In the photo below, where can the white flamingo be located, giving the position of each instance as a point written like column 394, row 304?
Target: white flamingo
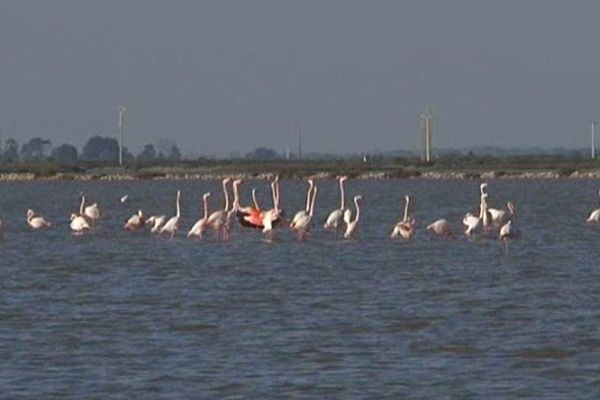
column 203, row 223
column 507, row 232
column 91, row 212
column 352, row 224
column 218, row 219
column 273, row 216
column 406, row 227
column 441, row 228
column 79, row 224
column 172, row 224
column 36, row 221
column 135, row 222
column 301, row 221
column 156, row 222
column 303, row 213
column 595, row 214
column 499, row 217
column 335, row 218
column 471, row 221
column 485, row 217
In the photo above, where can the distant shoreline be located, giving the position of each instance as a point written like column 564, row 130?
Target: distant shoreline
column 374, row 174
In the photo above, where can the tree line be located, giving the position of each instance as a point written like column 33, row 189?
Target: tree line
column 106, row 150
column 96, row 149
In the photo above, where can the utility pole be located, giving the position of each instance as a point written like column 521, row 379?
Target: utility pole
column 299, row 135
column 122, row 111
column 426, row 131
column 594, row 139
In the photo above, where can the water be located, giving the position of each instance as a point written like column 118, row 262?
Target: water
column 120, row 315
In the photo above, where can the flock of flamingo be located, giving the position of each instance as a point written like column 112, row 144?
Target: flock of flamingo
column 488, row 220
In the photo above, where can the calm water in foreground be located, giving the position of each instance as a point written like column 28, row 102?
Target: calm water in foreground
column 118, row 315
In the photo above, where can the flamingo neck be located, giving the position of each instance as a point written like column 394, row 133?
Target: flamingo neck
column 205, row 201
column 312, row 200
column 483, row 211
column 277, row 192
column 81, row 207
column 308, row 196
column 178, row 214
column 357, row 210
column 226, row 196
column 254, row 200
column 274, row 194
column 236, row 196
column 342, row 200
column 406, row 209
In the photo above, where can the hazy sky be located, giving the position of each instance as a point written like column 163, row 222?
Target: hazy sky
column 223, row 75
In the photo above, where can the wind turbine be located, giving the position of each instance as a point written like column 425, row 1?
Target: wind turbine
column 594, row 139
column 122, row 112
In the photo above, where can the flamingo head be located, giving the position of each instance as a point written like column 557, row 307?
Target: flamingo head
column 140, row 213
column 226, row 180
column 343, row 178
column 358, row 197
column 407, row 198
column 311, row 182
column 29, row 213
column 151, row 219
column 482, row 187
column 73, row 216
column 206, row 195
column 511, row 207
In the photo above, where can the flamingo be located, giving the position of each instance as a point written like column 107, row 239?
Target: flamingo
column 302, row 214
column 173, row 223
column 485, row 220
column 507, row 232
column 203, row 223
column 302, row 219
column 247, row 216
column 135, row 222
column 79, row 224
column 124, row 199
column 406, row 227
column 595, row 214
column 156, row 222
column 352, row 224
column 270, row 217
column 91, row 212
column 441, row 228
column 235, row 206
column 36, row 221
column 471, row 221
column 500, row 216
column 335, row 218
column 218, row 219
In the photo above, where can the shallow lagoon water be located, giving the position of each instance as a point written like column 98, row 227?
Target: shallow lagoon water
column 118, row 315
